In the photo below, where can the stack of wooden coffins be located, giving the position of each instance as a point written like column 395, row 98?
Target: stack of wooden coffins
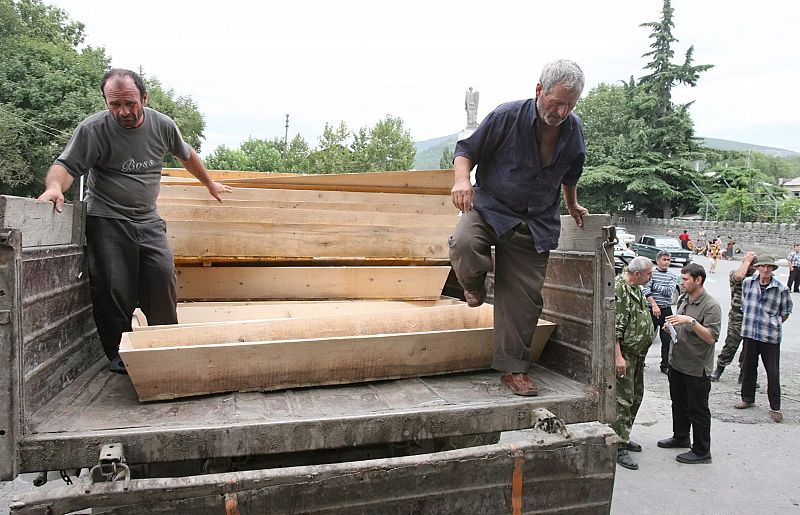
column 307, row 280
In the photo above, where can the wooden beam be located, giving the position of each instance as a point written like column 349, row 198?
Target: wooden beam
column 298, row 283
column 38, row 221
column 201, row 313
column 217, row 175
column 430, row 208
column 227, row 213
column 208, row 240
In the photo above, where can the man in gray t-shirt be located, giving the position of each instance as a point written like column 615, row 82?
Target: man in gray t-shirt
column 122, row 150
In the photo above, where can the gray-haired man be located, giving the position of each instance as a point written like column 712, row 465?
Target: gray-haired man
column 527, row 151
column 658, row 292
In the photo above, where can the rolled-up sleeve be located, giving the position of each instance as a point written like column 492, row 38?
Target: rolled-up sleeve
column 712, row 320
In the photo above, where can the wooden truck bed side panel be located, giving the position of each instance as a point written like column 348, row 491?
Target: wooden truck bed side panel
column 533, row 472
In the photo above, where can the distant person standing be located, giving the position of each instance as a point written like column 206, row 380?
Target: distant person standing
column 794, row 269
column 684, row 237
column 766, row 304
column 729, row 250
column 734, row 337
column 697, row 325
column 713, row 254
column 658, row 292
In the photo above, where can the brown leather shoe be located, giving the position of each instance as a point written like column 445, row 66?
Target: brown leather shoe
column 475, row 298
column 744, row 405
column 520, row 384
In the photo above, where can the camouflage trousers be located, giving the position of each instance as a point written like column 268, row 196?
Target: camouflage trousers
column 732, row 340
column 630, row 392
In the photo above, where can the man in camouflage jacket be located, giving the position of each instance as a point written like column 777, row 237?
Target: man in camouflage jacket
column 734, row 337
column 634, row 334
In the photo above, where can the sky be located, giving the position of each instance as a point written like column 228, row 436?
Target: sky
column 249, row 63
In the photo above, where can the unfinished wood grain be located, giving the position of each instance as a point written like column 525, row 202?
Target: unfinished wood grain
column 266, row 366
column 38, row 221
column 200, row 192
column 583, row 239
column 298, row 283
column 217, row 175
column 439, row 318
column 227, row 213
column 192, row 313
column 378, row 207
column 431, row 182
column 296, row 241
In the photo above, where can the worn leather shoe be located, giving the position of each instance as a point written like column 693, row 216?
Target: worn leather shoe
column 690, row 458
column 674, row 443
column 118, row 366
column 717, row 373
column 744, row 405
column 520, row 384
column 633, row 447
column 776, row 415
column 624, row 459
column 475, row 298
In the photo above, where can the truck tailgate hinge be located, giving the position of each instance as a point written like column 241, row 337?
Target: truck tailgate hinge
column 111, row 466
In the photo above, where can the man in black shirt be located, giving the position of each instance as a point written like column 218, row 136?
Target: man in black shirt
column 527, row 151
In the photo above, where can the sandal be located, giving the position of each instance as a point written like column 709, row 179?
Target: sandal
column 744, row 405
column 625, row 460
column 777, row 416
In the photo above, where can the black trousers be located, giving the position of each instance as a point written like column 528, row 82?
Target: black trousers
column 130, row 265
column 666, row 339
column 689, row 396
column 794, row 280
column 771, row 357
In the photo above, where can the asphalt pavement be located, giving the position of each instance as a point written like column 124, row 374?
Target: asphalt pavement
column 755, row 467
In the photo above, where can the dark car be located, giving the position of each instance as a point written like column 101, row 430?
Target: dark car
column 650, row 246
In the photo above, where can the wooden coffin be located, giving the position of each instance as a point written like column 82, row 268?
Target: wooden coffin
column 177, row 361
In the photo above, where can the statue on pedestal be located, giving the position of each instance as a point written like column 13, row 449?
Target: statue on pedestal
column 471, row 106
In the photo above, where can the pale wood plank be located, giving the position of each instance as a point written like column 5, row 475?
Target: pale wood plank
column 197, row 192
column 432, row 182
column 439, row 318
column 217, row 175
column 167, row 373
column 38, row 221
column 583, row 239
column 227, row 213
column 195, row 313
column 295, row 241
column 440, row 208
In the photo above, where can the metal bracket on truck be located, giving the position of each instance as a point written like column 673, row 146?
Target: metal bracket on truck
column 111, row 466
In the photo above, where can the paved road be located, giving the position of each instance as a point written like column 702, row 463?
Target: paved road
column 755, row 467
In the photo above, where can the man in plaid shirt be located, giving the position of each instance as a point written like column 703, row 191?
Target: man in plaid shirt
column 766, row 304
column 794, row 269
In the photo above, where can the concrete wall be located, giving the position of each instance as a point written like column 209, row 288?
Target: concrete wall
column 775, row 239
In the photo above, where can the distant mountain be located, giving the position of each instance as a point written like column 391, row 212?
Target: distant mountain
column 724, row 144
column 429, row 152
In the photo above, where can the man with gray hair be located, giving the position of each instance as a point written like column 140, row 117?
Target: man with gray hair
column 527, row 151
column 633, row 330
column 658, row 292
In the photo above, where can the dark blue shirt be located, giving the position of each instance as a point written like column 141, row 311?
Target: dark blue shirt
column 512, row 185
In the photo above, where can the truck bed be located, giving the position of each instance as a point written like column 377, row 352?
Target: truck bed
column 100, row 407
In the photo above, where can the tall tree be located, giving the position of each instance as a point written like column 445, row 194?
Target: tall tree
column 446, row 161
column 180, row 108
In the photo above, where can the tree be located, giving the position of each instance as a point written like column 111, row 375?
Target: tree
column 333, row 155
column 386, row 146
column 447, row 158
column 47, row 86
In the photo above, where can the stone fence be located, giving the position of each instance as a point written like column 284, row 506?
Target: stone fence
column 761, row 237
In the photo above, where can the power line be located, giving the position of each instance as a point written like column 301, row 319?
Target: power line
column 50, row 131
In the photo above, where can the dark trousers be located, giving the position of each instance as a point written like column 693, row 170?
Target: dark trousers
column 666, row 339
column 518, row 280
column 689, row 396
column 130, row 265
column 771, row 357
column 794, row 280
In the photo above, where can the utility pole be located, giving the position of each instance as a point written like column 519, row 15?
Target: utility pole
column 286, row 136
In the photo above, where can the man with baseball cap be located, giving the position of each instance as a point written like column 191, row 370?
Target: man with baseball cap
column 766, row 304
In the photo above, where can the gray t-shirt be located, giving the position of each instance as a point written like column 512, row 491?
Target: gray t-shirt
column 124, row 165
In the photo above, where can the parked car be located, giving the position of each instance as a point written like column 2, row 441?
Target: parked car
column 650, row 246
column 624, row 237
column 622, row 256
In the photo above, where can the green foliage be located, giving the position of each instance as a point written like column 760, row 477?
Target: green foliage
column 789, row 211
column 447, row 158
column 47, row 86
column 640, row 145
column 386, row 146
